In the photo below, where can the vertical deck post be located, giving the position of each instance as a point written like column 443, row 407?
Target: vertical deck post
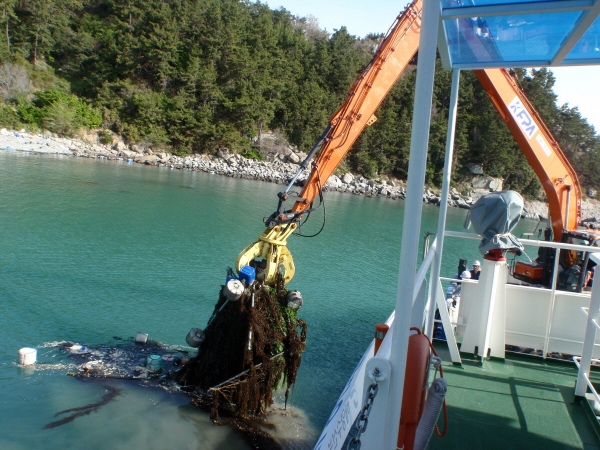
column 552, row 302
column 412, row 215
column 437, row 263
column 590, row 337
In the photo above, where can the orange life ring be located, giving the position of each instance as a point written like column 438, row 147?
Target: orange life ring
column 413, row 399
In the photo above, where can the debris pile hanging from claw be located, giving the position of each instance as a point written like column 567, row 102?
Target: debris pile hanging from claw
column 252, row 345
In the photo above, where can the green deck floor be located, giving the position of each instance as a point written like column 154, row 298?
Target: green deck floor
column 518, row 403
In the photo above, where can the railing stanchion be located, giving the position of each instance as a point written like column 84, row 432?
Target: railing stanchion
column 590, row 338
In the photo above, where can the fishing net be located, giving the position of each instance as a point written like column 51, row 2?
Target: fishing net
column 251, row 347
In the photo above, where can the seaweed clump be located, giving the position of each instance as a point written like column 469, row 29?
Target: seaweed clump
column 251, row 346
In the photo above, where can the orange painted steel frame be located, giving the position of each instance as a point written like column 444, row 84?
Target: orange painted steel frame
column 381, row 330
column 543, row 153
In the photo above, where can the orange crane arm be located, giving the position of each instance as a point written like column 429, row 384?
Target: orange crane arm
column 270, row 254
column 366, row 94
column 553, row 169
column 546, row 158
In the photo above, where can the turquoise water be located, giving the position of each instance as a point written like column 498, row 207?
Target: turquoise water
column 95, row 249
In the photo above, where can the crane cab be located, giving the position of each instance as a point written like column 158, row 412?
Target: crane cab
column 575, row 266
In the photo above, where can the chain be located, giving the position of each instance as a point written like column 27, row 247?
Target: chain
column 363, row 417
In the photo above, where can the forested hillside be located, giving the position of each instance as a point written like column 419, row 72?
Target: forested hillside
column 194, row 76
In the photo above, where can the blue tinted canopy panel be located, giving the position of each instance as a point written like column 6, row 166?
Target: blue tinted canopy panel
column 502, row 33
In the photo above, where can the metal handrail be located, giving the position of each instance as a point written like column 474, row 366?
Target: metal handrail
column 423, row 268
column 577, row 361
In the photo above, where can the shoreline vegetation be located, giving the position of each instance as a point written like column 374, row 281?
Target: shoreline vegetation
column 279, row 168
column 191, row 77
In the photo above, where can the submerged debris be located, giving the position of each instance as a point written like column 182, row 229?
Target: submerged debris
column 110, row 395
column 251, row 346
column 128, row 360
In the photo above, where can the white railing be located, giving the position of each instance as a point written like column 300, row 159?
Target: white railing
column 553, row 320
column 585, row 362
column 350, row 401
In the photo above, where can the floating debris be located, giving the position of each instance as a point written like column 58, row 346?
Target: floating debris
column 126, row 359
column 252, row 345
column 121, row 359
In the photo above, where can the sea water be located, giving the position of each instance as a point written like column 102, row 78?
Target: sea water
column 91, row 250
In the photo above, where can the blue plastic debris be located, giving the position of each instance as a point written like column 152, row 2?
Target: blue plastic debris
column 247, row 275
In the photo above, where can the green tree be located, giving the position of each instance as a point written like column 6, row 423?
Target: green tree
column 44, row 22
column 8, row 19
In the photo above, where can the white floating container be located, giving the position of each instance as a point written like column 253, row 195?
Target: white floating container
column 233, row 290
column 27, row 356
column 195, row 337
column 141, row 338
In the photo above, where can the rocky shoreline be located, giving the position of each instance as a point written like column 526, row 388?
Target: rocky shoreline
column 280, row 168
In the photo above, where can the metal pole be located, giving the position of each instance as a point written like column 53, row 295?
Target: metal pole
column 566, row 224
column 552, row 301
column 412, row 215
column 437, row 263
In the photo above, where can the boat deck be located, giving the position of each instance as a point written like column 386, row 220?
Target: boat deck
column 519, row 403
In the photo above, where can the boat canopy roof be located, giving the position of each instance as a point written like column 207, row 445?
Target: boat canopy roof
column 519, row 33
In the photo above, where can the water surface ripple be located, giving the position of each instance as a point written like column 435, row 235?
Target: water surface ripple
column 90, row 250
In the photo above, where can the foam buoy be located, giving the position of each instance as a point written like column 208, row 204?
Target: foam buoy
column 294, row 299
column 234, row 290
column 27, row 356
column 141, row 338
column 195, row 337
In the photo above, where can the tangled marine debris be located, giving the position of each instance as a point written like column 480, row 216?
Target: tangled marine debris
column 150, row 362
column 253, row 344
column 121, row 360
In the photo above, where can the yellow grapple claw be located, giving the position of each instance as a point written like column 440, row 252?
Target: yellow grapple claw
column 271, row 248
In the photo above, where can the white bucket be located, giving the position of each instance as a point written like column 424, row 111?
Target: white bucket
column 27, row 356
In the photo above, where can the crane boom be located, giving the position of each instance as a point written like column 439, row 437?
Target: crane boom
column 543, row 153
column 546, row 158
column 366, row 94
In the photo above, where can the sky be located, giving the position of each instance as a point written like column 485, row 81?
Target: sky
column 362, row 17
